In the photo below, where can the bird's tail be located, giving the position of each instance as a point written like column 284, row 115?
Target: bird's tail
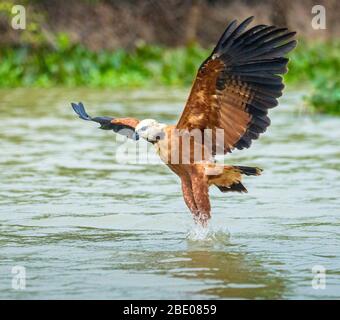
column 249, row 171
column 231, row 176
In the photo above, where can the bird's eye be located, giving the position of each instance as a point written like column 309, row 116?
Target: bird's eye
column 143, row 128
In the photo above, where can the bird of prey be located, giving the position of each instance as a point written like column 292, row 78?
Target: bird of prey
column 226, row 109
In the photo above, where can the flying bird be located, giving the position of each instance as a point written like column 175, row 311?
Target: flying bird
column 227, row 108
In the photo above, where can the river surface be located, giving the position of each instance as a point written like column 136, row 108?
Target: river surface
column 78, row 222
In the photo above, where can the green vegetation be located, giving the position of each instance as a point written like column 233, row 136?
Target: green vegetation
column 69, row 65
column 66, row 64
column 318, row 65
column 326, row 96
column 312, row 60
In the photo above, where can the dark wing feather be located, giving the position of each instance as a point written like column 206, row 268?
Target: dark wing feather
column 79, row 109
column 123, row 126
column 238, row 83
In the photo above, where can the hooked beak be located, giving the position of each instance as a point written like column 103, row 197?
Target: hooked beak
column 159, row 136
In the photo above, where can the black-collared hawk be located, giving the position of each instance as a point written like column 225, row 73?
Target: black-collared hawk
column 226, row 109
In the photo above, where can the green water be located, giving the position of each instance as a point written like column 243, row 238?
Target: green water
column 85, row 225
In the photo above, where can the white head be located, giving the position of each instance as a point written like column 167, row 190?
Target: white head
column 150, row 130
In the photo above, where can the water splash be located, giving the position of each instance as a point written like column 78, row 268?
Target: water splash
column 211, row 234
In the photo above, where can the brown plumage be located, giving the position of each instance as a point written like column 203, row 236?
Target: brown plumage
column 230, row 98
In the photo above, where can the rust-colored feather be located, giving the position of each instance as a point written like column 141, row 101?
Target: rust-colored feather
column 129, row 122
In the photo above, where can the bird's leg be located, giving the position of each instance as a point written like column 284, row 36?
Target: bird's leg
column 200, row 190
column 188, row 196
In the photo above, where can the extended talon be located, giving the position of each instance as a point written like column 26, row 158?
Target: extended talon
column 202, row 219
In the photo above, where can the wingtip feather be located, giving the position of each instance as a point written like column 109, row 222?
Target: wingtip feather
column 79, row 109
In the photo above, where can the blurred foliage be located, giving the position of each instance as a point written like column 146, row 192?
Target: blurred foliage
column 318, row 64
column 312, row 60
column 71, row 65
column 326, row 96
column 66, row 64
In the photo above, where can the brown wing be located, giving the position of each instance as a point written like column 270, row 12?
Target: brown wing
column 238, row 83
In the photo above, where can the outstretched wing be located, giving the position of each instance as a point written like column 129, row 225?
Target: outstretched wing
column 123, row 126
column 238, row 83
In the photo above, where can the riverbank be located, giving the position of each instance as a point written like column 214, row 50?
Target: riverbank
column 312, row 64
